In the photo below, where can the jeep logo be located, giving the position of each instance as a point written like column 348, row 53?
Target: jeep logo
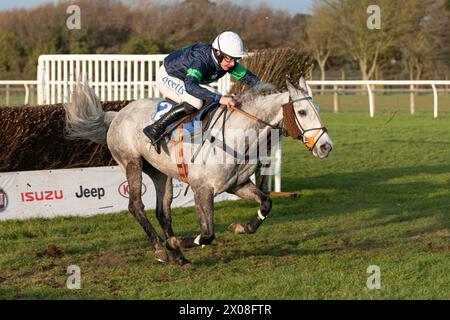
column 88, row 193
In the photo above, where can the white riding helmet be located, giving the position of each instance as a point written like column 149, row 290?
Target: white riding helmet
column 229, row 43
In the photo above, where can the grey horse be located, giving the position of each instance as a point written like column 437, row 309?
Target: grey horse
column 262, row 110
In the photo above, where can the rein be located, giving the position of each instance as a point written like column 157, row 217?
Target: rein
column 252, row 117
column 291, row 123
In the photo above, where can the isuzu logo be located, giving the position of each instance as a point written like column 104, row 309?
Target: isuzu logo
column 42, row 195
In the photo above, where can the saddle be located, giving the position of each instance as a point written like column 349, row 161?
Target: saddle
column 195, row 123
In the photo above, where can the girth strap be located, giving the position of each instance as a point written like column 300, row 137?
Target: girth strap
column 178, row 146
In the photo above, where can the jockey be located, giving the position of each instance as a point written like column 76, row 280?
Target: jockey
column 185, row 71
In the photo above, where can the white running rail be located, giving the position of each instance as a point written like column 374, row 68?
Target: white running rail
column 369, row 84
column 26, row 83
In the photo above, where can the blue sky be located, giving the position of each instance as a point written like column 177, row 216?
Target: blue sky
column 291, row 6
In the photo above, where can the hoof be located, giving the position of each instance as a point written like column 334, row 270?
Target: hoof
column 161, row 255
column 237, row 228
column 172, row 243
column 179, row 259
column 184, row 263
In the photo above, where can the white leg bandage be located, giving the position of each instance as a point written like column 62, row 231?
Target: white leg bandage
column 197, row 240
column 260, row 215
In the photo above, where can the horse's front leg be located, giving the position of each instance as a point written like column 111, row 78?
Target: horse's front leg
column 204, row 205
column 249, row 191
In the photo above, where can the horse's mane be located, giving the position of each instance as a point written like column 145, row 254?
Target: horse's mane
column 260, row 90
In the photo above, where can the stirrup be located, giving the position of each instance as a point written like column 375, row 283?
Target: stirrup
column 157, row 143
column 161, row 137
column 157, row 146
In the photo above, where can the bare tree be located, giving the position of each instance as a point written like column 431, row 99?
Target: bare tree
column 437, row 29
column 320, row 36
column 415, row 45
column 353, row 36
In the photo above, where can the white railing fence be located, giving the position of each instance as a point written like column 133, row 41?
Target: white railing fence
column 28, row 85
column 371, row 84
column 112, row 76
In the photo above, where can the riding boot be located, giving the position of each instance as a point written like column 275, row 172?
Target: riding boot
column 156, row 129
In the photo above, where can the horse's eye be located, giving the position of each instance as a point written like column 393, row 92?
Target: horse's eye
column 302, row 113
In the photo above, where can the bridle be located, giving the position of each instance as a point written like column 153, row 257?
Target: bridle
column 293, row 127
column 291, row 124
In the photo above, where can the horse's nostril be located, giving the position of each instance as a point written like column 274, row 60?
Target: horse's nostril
column 325, row 148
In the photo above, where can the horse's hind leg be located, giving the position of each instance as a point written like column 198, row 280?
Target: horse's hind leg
column 249, row 191
column 136, row 207
column 164, row 193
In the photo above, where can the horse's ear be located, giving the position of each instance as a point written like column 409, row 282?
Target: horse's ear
column 290, row 88
column 302, row 84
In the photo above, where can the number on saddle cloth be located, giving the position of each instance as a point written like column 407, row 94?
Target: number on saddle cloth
column 162, row 107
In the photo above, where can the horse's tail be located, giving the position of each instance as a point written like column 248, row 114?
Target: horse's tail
column 85, row 118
